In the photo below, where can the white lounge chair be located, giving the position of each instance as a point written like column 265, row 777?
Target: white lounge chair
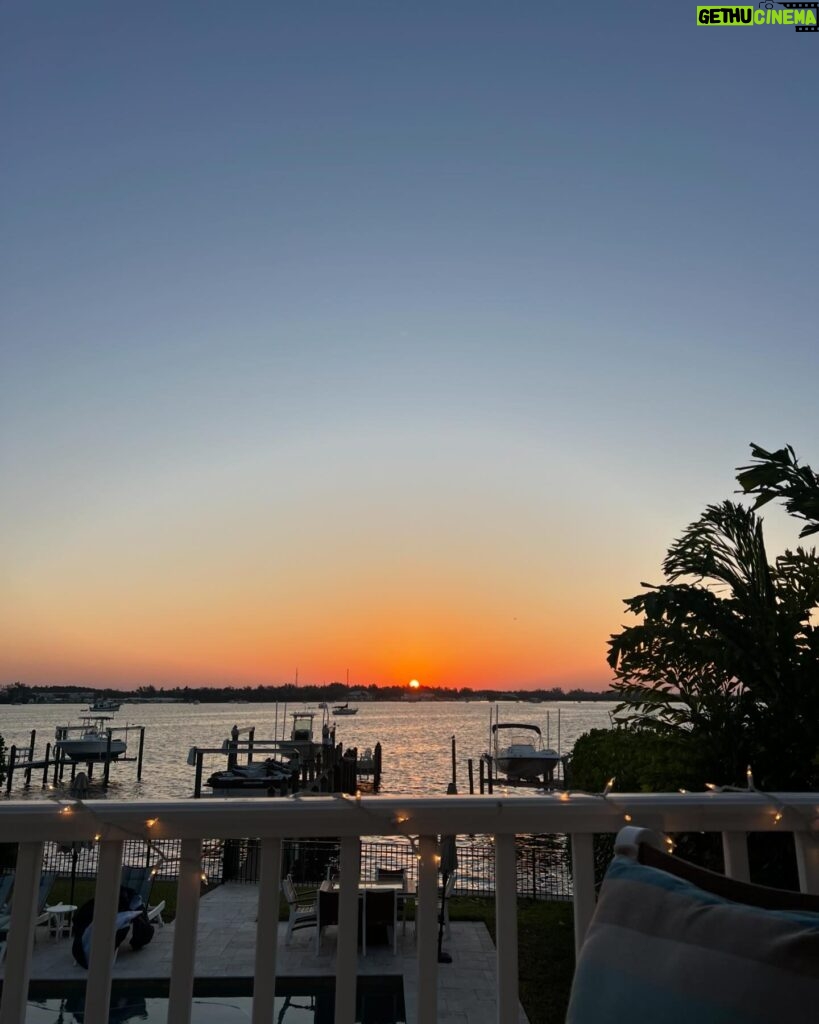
column 302, row 906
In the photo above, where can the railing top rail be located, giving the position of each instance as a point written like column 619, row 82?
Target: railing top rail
column 318, row 816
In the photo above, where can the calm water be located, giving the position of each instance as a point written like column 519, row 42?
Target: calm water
column 415, row 738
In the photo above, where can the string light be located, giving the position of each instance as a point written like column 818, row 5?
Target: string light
column 750, row 787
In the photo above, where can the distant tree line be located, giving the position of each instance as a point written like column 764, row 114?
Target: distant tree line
column 20, row 693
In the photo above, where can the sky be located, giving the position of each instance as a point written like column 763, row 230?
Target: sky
column 384, row 338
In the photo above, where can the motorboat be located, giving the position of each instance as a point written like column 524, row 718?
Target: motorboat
column 518, row 751
column 105, row 704
column 93, row 740
column 344, row 709
column 258, row 775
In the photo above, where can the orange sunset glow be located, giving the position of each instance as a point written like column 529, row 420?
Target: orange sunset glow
column 356, row 356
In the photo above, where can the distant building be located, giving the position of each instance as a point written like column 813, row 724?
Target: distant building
column 360, row 695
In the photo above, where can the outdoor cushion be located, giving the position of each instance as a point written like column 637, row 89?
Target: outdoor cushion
column 661, row 949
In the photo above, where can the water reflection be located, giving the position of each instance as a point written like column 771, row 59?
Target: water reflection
column 415, row 738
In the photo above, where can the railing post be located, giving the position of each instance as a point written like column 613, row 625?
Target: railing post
column 426, row 933
column 347, row 951
column 21, row 933
column 106, row 903
column 583, row 874
column 184, row 939
column 267, row 931
column 807, row 860
column 735, row 854
column 506, row 917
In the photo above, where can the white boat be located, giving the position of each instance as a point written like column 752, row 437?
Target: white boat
column 90, row 740
column 518, row 751
column 105, row 704
column 344, row 709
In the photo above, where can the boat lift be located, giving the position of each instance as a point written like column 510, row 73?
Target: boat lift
column 54, row 759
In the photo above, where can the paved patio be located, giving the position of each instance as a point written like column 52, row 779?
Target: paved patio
column 227, row 942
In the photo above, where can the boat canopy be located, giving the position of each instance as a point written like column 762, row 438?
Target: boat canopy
column 516, row 725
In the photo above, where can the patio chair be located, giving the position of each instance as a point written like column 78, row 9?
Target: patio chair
column 326, row 913
column 47, row 879
column 302, row 907
column 6, row 884
column 398, row 876
column 380, row 915
column 674, row 942
column 42, row 915
column 140, row 880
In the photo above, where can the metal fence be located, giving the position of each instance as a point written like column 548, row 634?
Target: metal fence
column 542, row 862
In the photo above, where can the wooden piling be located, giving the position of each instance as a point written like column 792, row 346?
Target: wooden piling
column 471, row 777
column 139, row 755
column 10, row 769
column 106, row 771
column 46, row 764
column 377, row 768
column 197, row 782
column 251, row 735
column 30, row 758
column 454, row 764
column 489, row 777
column 481, row 767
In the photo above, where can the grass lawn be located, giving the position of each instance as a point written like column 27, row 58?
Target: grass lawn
column 545, row 951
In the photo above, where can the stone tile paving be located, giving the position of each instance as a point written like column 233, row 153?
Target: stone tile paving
column 226, row 947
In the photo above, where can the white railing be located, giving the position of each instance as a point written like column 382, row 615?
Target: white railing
column 579, row 815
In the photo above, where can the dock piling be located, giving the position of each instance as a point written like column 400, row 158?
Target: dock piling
column 139, row 755
column 10, row 769
column 106, row 771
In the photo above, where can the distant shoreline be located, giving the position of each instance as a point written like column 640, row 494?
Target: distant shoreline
column 18, row 693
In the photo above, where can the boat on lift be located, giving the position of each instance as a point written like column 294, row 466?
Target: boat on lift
column 264, row 776
column 93, row 740
column 518, row 752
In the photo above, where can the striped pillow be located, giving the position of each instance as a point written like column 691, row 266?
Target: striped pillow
column 661, row 949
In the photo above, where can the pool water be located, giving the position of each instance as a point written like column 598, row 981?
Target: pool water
column 380, row 1000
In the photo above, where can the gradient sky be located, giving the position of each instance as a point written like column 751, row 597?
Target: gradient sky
column 392, row 337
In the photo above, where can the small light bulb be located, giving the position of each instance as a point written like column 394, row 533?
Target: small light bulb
column 777, row 817
column 626, row 817
column 711, row 786
column 151, row 822
column 97, row 837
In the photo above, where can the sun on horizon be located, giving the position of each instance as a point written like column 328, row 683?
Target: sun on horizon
column 414, row 684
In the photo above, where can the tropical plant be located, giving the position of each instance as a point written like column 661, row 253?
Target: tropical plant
column 779, row 475
column 726, row 650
